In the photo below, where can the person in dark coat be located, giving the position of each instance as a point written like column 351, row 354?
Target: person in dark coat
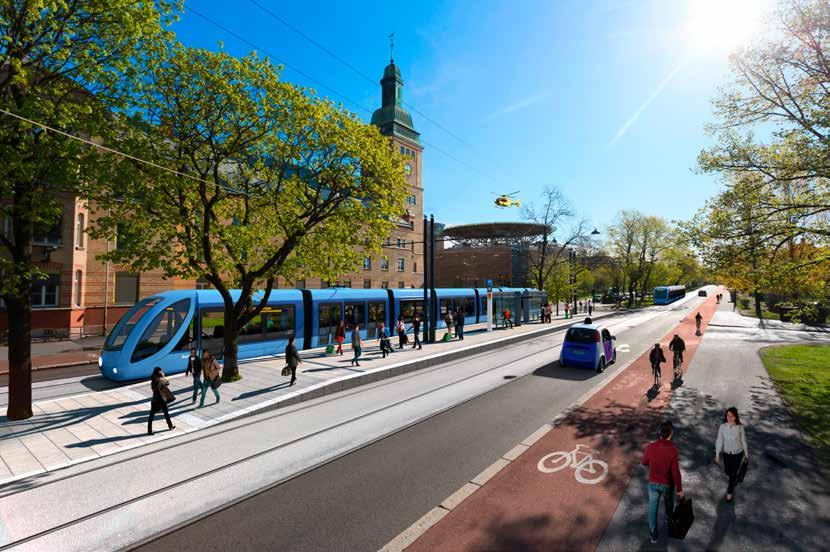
column 194, row 368
column 459, row 324
column 416, row 330
column 292, row 359
column 157, row 403
column 656, row 357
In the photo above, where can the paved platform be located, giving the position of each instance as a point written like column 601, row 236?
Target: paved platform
column 66, row 431
column 536, row 497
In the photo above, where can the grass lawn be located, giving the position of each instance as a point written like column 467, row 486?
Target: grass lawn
column 802, row 375
column 768, row 315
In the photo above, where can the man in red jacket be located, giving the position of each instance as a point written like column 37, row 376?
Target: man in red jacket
column 662, row 459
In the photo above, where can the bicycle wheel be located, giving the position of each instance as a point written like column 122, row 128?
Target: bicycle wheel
column 560, row 460
column 591, row 472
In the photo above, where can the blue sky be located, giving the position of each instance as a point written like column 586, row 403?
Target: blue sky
column 606, row 99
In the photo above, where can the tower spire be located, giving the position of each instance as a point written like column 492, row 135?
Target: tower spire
column 391, row 47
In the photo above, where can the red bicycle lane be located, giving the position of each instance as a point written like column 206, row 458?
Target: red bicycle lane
column 530, row 505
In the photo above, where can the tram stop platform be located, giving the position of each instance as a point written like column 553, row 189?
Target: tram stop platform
column 68, row 430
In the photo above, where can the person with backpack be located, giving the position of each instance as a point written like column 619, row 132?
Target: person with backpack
column 161, row 396
column 731, row 445
column 656, row 357
column 194, row 368
column 211, row 378
column 340, row 336
column 663, row 461
column 292, row 359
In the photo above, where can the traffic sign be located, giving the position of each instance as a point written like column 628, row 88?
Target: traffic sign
column 489, row 285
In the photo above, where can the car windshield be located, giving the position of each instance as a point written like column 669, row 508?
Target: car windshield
column 122, row 330
column 580, row 335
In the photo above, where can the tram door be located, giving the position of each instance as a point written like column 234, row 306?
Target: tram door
column 329, row 316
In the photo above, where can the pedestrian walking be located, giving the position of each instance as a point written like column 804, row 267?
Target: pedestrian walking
column 656, row 357
column 580, row 308
column 550, row 313
column 731, row 444
column 567, row 310
column 459, row 324
column 194, row 368
column 383, row 338
column 416, row 331
column 357, row 345
column 590, row 308
column 292, row 358
column 340, row 336
column 401, row 331
column 663, row 461
column 161, row 396
column 543, row 313
column 210, row 369
column 698, row 320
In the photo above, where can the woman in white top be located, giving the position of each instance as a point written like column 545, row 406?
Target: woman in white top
column 731, row 444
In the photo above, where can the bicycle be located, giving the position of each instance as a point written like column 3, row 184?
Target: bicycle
column 587, row 470
column 678, row 363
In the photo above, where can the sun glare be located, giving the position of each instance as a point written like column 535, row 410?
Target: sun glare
column 723, row 26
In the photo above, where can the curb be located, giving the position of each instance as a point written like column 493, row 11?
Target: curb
column 5, row 372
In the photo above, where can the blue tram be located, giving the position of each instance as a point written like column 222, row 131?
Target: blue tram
column 663, row 295
column 159, row 330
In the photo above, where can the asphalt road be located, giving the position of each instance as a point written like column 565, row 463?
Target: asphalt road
column 364, row 499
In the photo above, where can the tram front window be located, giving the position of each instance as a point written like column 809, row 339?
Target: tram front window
column 122, row 330
column 161, row 330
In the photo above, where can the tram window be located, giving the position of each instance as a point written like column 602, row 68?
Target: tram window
column 468, row 305
column 329, row 316
column 408, row 309
column 161, row 330
column 188, row 337
column 377, row 314
column 252, row 331
column 355, row 313
column 278, row 321
column 213, row 331
column 122, row 330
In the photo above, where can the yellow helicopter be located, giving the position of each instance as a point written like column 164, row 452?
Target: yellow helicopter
column 506, row 200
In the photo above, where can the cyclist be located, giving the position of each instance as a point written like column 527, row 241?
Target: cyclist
column 656, row 357
column 698, row 320
column 677, row 345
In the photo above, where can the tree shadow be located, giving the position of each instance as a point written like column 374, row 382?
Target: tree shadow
column 256, row 392
column 57, row 420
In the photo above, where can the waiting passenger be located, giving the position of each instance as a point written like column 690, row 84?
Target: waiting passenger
column 161, row 396
column 211, row 379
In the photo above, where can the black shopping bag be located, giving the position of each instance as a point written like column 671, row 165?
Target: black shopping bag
column 742, row 471
column 681, row 519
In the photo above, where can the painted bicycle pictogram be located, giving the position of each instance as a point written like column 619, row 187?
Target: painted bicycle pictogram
column 587, row 470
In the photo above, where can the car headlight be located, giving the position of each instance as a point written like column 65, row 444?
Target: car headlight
column 100, row 362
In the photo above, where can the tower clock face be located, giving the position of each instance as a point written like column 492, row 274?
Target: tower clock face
column 407, row 168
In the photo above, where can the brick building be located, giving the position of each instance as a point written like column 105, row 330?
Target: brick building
column 84, row 296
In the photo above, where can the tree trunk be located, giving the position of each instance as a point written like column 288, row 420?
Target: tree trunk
column 19, row 312
column 230, row 366
column 758, row 312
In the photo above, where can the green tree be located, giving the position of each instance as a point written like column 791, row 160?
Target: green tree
column 64, row 65
column 271, row 182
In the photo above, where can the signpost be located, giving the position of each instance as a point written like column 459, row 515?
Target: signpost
column 489, row 305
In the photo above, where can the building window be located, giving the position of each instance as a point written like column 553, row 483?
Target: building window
column 126, row 287
column 119, row 236
column 367, row 284
column 384, row 285
column 367, row 263
column 401, row 265
column 324, row 284
column 79, row 276
column 52, row 237
column 415, row 266
column 45, row 292
column 79, row 232
column 401, row 285
column 347, row 284
column 299, row 284
column 384, row 263
column 403, row 150
column 7, row 227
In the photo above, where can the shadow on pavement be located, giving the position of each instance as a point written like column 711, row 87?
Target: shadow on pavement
column 554, row 370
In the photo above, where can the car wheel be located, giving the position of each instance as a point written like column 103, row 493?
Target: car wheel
column 561, row 363
column 614, row 358
column 601, row 365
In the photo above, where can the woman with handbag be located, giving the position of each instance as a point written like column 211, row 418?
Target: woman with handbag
column 211, row 372
column 292, row 359
column 731, row 443
column 161, row 396
column 340, row 336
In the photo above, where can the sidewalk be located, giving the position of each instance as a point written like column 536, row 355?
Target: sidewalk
column 74, row 429
column 533, row 498
column 784, row 502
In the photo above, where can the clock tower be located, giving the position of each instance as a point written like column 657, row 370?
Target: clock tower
column 404, row 248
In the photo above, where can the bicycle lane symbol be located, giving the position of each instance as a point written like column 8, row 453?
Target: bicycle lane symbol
column 587, row 470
